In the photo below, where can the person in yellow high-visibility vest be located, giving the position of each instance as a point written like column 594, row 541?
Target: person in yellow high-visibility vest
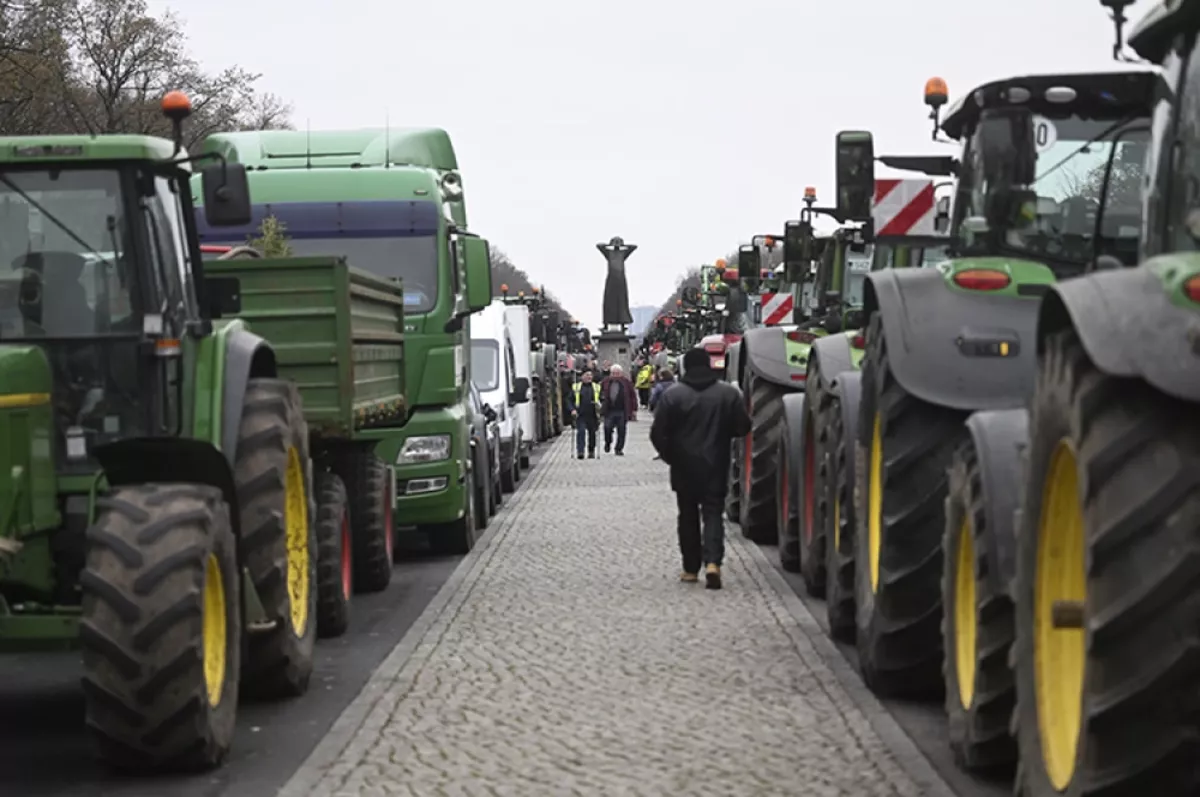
column 645, row 381
column 585, row 410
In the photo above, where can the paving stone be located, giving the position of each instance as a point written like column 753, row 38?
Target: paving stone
column 566, row 658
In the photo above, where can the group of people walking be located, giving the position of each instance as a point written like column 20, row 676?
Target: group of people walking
column 695, row 420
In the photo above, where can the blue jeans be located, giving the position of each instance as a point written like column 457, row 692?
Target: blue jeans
column 614, row 420
column 585, row 430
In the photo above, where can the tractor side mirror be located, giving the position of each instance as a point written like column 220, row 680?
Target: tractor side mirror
column 226, row 195
column 224, row 296
column 796, row 237
column 748, row 259
column 478, row 261
column 855, row 174
column 737, row 302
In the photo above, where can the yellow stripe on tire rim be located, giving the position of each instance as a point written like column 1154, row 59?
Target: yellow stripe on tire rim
column 875, row 508
column 214, row 631
column 964, row 615
column 296, row 526
column 1059, row 654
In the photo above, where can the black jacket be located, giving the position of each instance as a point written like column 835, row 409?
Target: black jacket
column 693, row 426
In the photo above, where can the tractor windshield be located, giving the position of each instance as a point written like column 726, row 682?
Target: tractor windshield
column 63, row 255
column 1073, row 161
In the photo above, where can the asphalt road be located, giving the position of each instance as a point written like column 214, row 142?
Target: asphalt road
column 44, row 751
column 925, row 723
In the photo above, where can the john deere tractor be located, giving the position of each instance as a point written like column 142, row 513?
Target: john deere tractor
column 156, row 507
column 1030, row 209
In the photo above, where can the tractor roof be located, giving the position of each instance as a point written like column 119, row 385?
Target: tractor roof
column 426, row 147
column 1153, row 35
column 33, row 149
column 1108, row 94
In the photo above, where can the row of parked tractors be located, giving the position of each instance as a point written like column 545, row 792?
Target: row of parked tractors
column 995, row 487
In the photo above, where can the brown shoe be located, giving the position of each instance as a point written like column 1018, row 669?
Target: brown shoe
column 690, row 578
column 712, row 577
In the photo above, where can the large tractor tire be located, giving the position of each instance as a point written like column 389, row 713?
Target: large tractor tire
column 977, row 629
column 788, row 496
column 817, row 489
column 1108, row 586
column 273, row 475
column 335, row 560
column 161, row 628
column 372, row 523
column 906, row 445
column 839, row 517
column 759, row 461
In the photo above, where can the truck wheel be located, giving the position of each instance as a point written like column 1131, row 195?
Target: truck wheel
column 335, row 563
column 908, row 444
column 787, row 516
column 483, row 499
column 817, row 486
column 457, row 537
column 161, row 628
column 372, row 531
column 839, row 526
column 977, row 628
column 1111, row 512
column 508, row 477
column 759, row 463
column 278, row 538
column 525, row 461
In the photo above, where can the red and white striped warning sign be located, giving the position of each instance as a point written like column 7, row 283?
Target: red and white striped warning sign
column 776, row 309
column 904, row 207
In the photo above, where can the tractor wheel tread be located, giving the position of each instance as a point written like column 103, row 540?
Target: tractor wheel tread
column 812, row 550
column 366, row 479
column 279, row 661
column 789, row 532
column 333, row 605
column 146, row 701
column 766, row 418
column 1138, row 453
column 839, row 567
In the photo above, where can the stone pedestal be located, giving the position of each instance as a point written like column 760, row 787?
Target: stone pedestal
column 615, row 346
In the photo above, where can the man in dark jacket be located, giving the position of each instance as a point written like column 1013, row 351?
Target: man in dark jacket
column 694, row 423
column 620, row 406
column 585, row 410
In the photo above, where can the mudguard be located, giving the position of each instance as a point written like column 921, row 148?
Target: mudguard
column 847, row 386
column 734, row 365
column 1129, row 327
column 832, row 356
column 247, row 356
column 793, row 414
column 925, row 323
column 998, row 437
column 765, row 353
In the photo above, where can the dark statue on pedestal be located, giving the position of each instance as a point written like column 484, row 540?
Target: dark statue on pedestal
column 616, row 289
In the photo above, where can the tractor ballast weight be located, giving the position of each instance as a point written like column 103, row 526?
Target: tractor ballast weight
column 991, row 344
column 1130, row 324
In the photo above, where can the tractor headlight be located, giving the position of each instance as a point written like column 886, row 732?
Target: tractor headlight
column 424, row 448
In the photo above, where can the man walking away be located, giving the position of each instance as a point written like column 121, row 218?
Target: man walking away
column 645, row 381
column 666, row 378
column 619, row 403
column 694, row 423
column 585, row 410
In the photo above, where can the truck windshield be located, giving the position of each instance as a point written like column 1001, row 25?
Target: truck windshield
column 485, row 364
column 63, row 264
column 412, row 258
column 1073, row 155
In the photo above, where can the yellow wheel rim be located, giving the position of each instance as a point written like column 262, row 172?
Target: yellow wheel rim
column 1059, row 654
column 837, row 521
column 296, row 524
column 875, row 506
column 214, row 631
column 964, row 615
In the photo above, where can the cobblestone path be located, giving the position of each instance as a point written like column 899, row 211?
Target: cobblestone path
column 565, row 658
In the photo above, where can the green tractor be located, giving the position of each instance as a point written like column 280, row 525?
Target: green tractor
column 1030, row 209
column 1071, row 524
column 158, row 509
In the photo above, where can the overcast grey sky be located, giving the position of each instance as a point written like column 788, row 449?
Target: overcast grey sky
column 684, row 127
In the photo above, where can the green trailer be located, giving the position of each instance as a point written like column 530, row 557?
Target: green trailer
column 392, row 202
column 157, row 503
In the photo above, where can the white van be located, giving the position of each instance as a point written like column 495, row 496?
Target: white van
column 518, row 330
column 493, row 370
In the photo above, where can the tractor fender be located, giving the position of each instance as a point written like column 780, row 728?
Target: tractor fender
column 924, row 322
column 793, row 414
column 998, row 437
column 734, row 366
column 830, row 356
column 1129, row 328
column 847, row 386
column 141, row 460
column 765, row 355
column 247, row 356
